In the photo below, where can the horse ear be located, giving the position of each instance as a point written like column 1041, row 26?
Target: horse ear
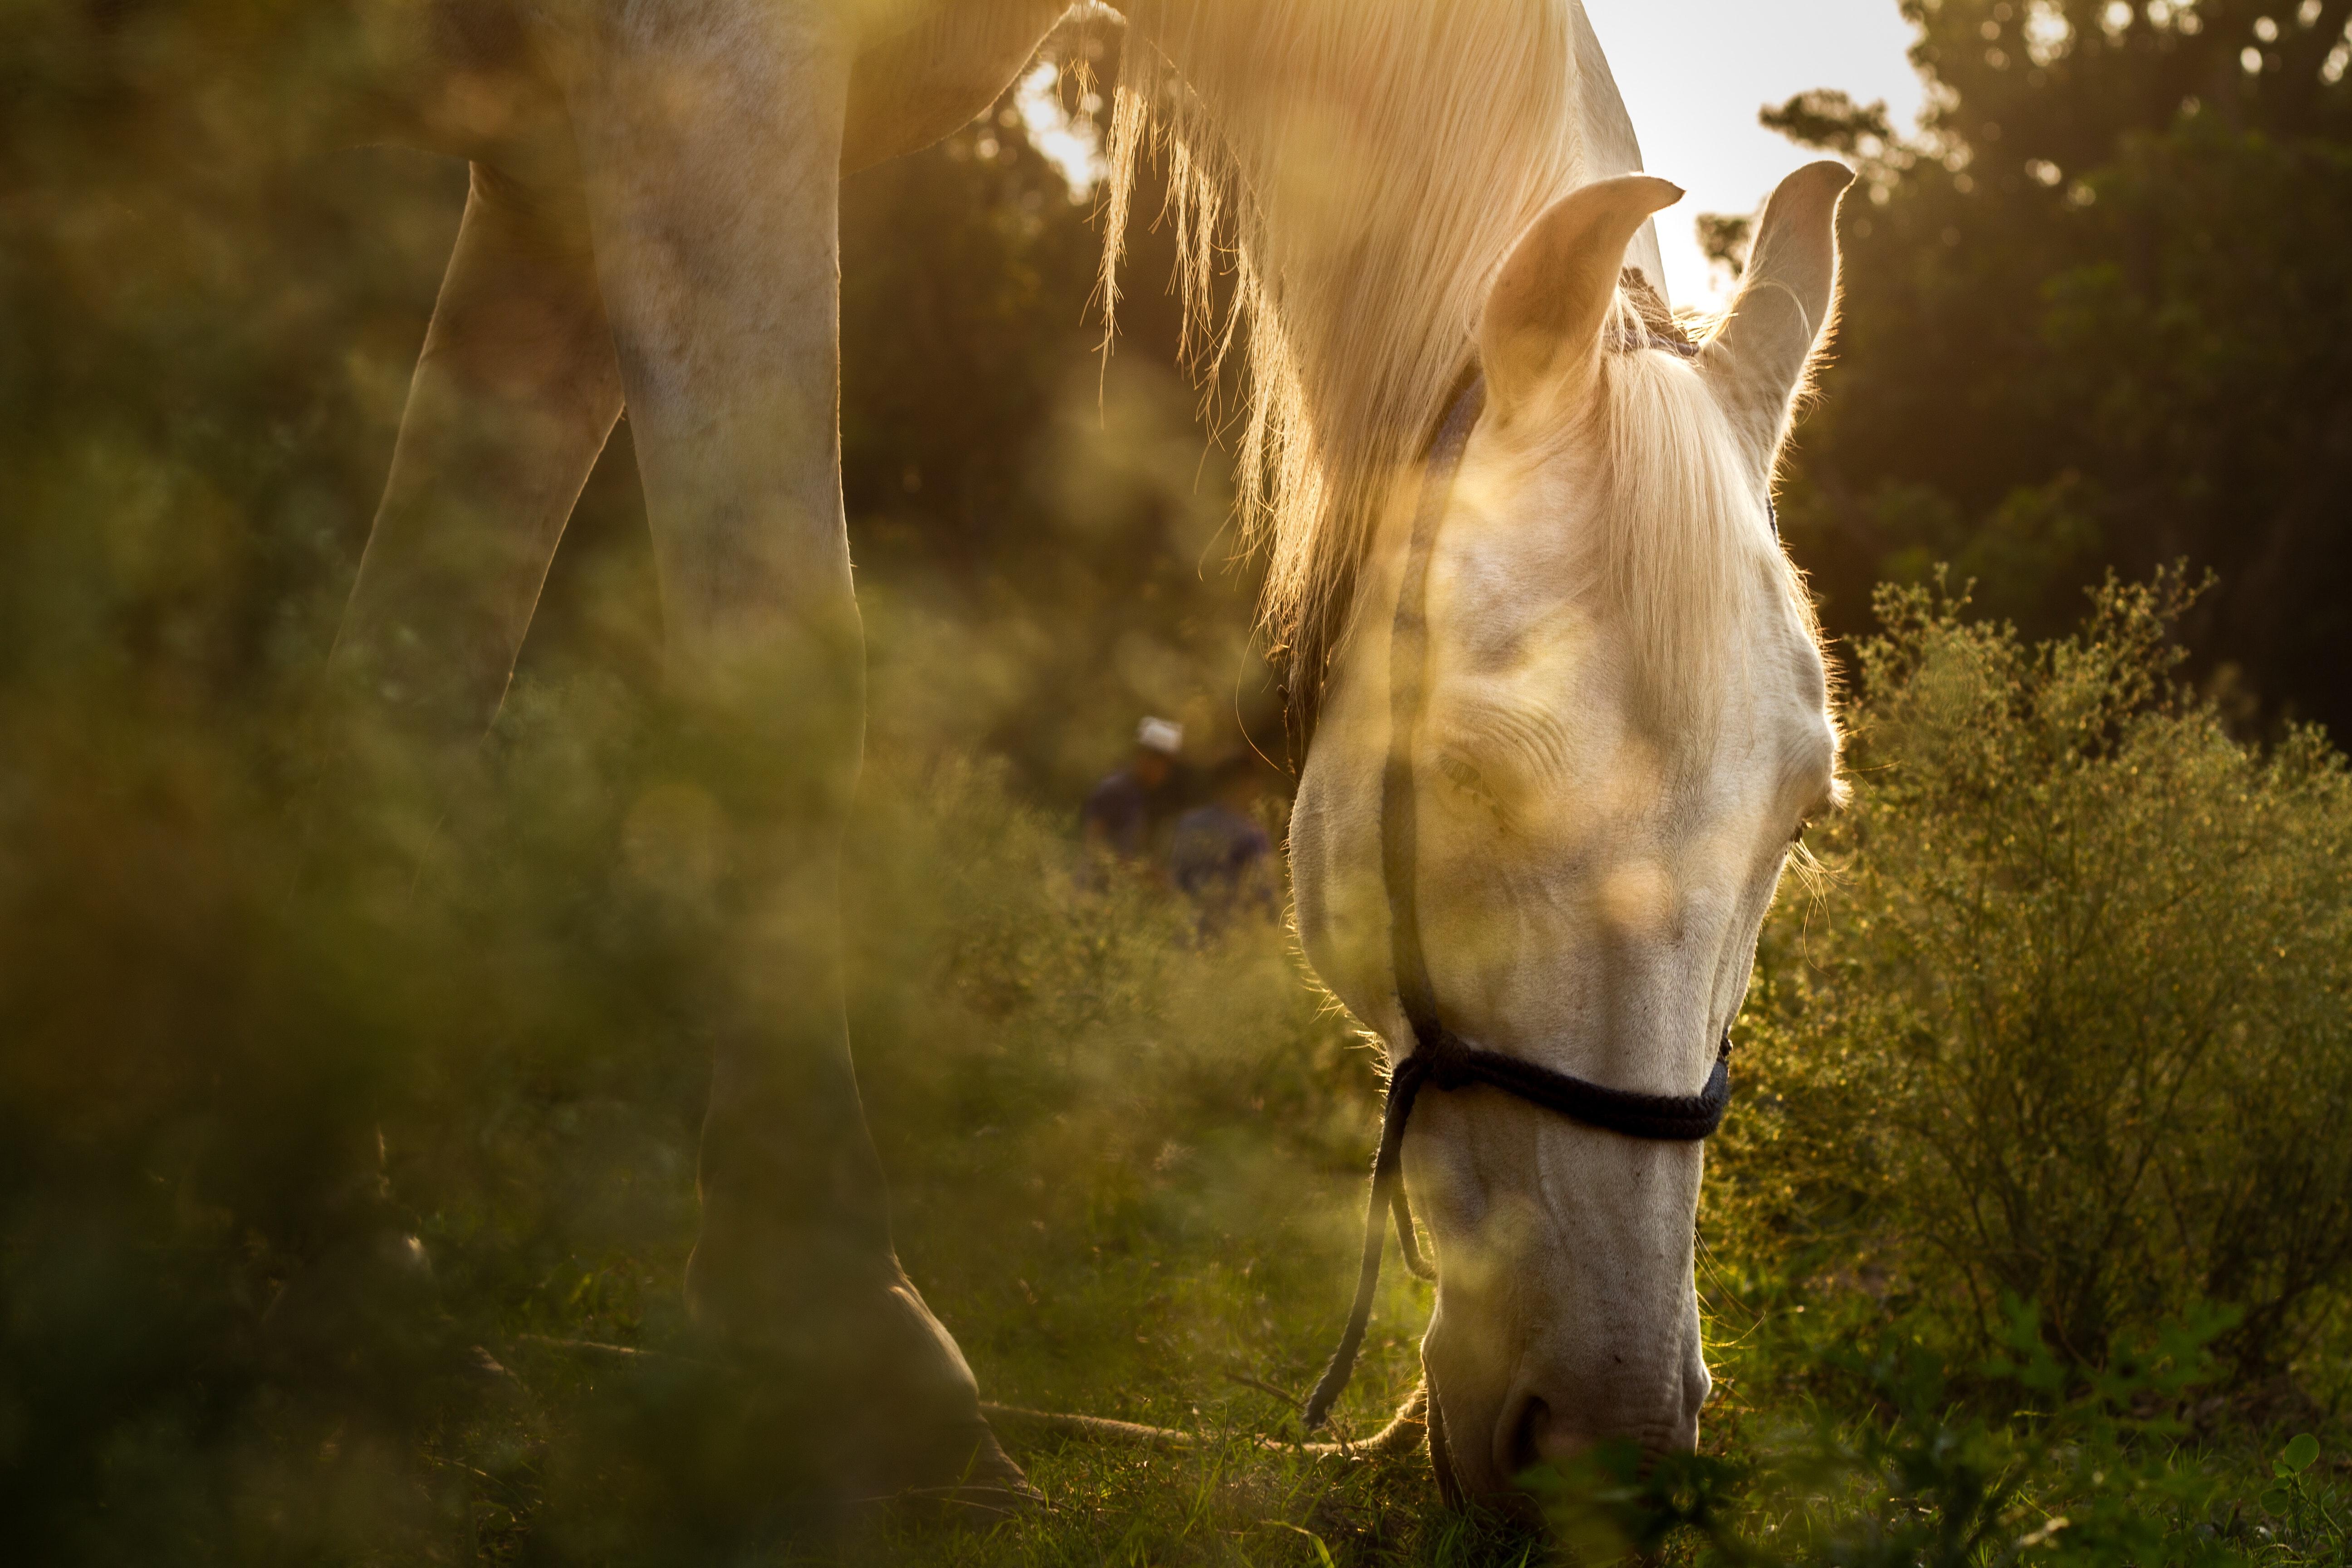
column 1541, row 330
column 1757, row 360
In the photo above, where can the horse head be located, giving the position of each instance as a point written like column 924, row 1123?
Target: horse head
column 1623, row 721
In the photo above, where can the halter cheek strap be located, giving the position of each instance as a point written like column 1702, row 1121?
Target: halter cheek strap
column 1440, row 1057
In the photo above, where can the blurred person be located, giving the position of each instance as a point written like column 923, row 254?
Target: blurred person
column 1117, row 818
column 1222, row 857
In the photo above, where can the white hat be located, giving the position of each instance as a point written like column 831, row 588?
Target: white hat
column 1161, row 735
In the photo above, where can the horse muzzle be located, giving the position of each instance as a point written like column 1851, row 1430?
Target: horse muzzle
column 1494, row 1419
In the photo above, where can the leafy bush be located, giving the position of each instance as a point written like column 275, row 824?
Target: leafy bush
column 2066, row 1019
column 2021, row 1459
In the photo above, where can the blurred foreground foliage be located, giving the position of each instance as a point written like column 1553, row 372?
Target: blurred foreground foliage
column 1098, row 1130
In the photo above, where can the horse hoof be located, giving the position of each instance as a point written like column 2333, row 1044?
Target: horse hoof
column 965, row 1468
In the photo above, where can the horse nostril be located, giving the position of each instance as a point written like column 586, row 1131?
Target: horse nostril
column 1522, row 1446
column 1537, row 1437
column 1540, row 1436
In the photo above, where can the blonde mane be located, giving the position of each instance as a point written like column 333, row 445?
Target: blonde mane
column 1686, row 539
column 1360, row 167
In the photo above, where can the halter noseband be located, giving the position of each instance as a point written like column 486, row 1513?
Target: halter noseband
column 1439, row 1057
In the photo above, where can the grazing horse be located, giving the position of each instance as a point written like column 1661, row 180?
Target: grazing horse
column 1624, row 716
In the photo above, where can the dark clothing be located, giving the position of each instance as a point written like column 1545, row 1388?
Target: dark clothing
column 1118, row 815
column 1221, row 859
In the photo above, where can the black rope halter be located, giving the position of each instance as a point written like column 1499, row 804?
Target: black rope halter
column 1440, row 1057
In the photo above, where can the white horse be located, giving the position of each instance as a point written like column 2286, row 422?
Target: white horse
column 1627, row 717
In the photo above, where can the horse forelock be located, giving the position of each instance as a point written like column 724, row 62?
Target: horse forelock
column 1685, row 543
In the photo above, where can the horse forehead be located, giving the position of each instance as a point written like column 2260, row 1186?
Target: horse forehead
column 1519, row 584
column 1512, row 575
column 1528, row 658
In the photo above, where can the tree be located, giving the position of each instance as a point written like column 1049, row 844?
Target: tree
column 2097, row 316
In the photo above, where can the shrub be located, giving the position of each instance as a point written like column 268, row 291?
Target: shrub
column 2067, row 1020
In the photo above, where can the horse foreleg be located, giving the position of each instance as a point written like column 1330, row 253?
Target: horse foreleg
column 711, row 134
column 512, row 400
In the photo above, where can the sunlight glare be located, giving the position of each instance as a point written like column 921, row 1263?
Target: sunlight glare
column 1068, row 142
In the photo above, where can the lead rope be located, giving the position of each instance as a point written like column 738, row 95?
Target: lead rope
column 1438, row 1054
column 1408, row 651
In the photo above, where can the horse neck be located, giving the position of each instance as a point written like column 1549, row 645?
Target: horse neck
column 1385, row 155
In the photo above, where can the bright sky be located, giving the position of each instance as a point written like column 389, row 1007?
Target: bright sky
column 1694, row 73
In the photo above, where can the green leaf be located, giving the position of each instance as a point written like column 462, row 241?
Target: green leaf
column 2301, row 1453
column 2278, row 1501
column 1322, row 1551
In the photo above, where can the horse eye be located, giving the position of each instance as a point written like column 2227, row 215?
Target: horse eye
column 1463, row 775
column 1471, row 783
